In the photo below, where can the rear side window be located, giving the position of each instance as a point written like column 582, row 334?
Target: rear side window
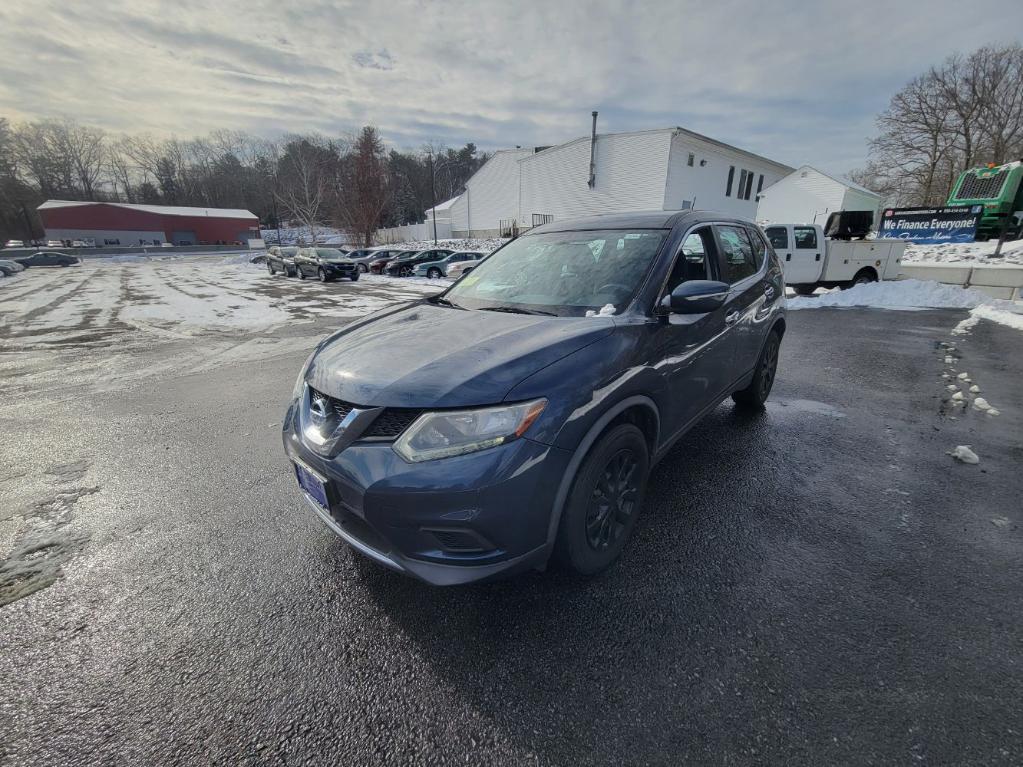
column 737, row 251
column 779, row 237
column 805, row 236
column 759, row 242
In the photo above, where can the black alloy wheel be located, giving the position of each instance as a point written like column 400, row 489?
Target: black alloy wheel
column 613, row 501
column 756, row 394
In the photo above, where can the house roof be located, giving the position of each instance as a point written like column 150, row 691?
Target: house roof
column 444, row 206
column 839, row 179
column 673, row 130
column 162, row 210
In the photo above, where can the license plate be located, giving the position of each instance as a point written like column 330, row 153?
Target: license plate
column 313, row 485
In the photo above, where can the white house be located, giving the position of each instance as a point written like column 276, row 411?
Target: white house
column 491, row 195
column 662, row 169
column 808, row 195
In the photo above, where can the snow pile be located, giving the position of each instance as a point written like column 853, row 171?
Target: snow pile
column 895, row 294
column 302, row 235
column 482, row 245
column 919, row 294
column 964, row 454
column 970, row 252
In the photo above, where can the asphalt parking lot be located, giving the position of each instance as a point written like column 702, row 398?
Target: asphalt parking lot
column 816, row 584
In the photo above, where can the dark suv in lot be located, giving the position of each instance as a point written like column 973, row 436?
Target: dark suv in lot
column 326, row 264
column 586, row 349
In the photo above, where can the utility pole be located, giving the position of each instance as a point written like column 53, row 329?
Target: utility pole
column 433, row 195
column 28, row 226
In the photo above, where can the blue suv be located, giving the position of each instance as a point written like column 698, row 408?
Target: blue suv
column 514, row 418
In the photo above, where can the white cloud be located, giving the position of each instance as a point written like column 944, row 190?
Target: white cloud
column 794, row 81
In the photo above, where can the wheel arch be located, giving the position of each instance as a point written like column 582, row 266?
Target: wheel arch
column 637, row 409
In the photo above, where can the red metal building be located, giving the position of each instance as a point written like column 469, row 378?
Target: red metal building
column 115, row 223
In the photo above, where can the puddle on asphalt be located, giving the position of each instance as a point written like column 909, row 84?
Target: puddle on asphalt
column 803, row 407
column 37, row 555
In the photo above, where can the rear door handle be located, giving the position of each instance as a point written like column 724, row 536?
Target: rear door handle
column 731, row 318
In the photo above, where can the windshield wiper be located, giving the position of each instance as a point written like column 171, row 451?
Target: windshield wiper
column 444, row 302
column 515, row 310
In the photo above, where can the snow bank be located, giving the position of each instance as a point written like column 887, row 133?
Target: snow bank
column 482, row 245
column 968, row 252
column 918, row 294
column 895, row 294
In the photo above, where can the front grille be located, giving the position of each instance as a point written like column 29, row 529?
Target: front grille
column 389, row 424
column 392, row 422
column 976, row 188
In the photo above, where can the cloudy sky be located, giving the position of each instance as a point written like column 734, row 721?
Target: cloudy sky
column 795, row 81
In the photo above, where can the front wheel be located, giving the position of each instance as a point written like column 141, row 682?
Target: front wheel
column 604, row 502
column 300, row 274
column 755, row 395
column 270, row 268
column 434, row 274
column 405, row 272
column 322, row 275
column 355, row 276
column 363, row 268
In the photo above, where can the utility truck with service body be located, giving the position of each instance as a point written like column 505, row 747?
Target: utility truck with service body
column 811, row 260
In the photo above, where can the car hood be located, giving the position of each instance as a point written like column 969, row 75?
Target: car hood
column 424, row 355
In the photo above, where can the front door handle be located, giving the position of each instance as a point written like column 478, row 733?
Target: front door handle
column 731, row 318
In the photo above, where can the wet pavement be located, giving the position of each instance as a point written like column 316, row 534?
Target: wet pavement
column 816, row 584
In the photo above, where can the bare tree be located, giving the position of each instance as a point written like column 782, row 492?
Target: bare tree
column 305, row 189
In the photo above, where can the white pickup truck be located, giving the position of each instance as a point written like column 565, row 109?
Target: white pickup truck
column 810, row 261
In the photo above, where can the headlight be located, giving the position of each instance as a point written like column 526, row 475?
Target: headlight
column 446, row 434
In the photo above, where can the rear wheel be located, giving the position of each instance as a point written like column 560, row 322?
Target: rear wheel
column 862, row 278
column 755, row 395
column 434, row 273
column 804, row 290
column 604, row 502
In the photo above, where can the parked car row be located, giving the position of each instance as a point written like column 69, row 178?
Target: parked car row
column 327, row 264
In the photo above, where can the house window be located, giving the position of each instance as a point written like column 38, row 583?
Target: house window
column 749, row 185
column 760, row 184
column 740, row 192
column 691, row 160
column 731, row 178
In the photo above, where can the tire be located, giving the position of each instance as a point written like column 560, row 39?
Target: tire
column 862, row 277
column 755, row 395
column 355, row 276
column 363, row 268
column 405, row 272
column 434, row 273
column 270, row 268
column 593, row 532
column 804, row 290
column 322, row 275
column 300, row 274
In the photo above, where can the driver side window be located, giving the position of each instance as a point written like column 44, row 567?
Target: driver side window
column 694, row 258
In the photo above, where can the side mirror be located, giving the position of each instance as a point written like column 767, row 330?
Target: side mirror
column 696, row 297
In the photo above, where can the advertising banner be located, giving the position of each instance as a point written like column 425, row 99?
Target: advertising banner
column 930, row 225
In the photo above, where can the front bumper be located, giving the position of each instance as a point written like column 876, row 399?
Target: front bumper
column 418, row 518
column 341, row 270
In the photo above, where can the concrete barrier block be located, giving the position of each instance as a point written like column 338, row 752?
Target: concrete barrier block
column 996, row 292
column 949, row 274
column 997, row 276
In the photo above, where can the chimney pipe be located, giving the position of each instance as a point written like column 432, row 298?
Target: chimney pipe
column 593, row 150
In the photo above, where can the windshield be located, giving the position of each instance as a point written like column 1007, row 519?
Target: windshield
column 329, row 254
column 562, row 273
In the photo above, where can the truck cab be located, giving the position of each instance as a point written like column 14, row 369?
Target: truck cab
column 999, row 189
column 810, row 260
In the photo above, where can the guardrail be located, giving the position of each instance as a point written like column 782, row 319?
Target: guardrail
column 997, row 281
column 125, row 250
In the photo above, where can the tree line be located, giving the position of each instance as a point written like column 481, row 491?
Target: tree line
column 349, row 182
column 963, row 113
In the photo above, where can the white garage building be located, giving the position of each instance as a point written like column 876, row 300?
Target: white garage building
column 808, row 195
column 663, row 169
